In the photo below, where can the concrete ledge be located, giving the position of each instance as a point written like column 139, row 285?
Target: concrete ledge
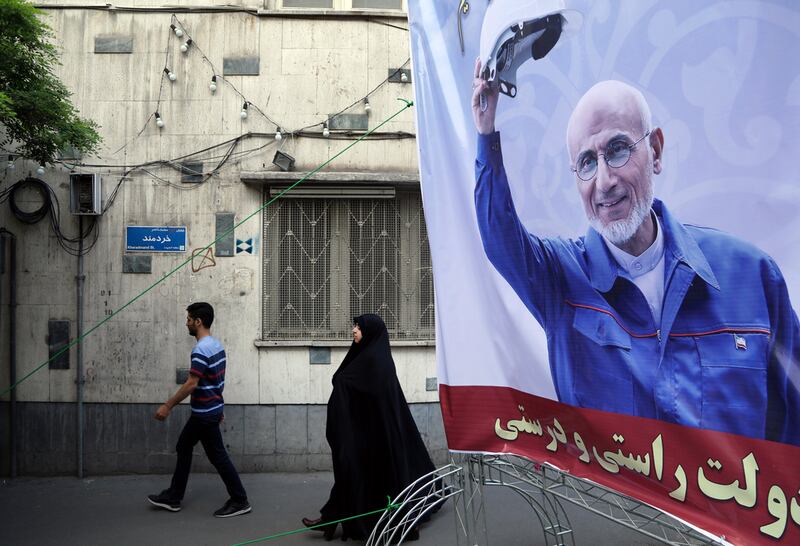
column 330, row 13
column 125, row 439
column 267, row 343
column 266, row 178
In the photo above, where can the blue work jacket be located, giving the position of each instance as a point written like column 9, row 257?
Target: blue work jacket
column 726, row 355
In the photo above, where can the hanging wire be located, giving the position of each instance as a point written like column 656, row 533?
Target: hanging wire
column 349, row 106
column 50, row 206
column 230, row 153
column 158, row 100
column 219, row 76
column 301, row 132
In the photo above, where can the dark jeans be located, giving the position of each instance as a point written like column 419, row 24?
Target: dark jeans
column 205, row 429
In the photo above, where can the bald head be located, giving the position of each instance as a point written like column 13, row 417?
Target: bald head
column 609, row 122
column 608, row 103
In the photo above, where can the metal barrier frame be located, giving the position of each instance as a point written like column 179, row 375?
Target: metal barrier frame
column 544, row 488
column 415, row 504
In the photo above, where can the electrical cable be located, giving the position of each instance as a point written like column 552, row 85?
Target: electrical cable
column 407, row 104
column 219, row 77
column 35, row 216
column 51, row 205
column 230, row 153
column 348, row 107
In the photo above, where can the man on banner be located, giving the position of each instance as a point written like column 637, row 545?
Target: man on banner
column 643, row 315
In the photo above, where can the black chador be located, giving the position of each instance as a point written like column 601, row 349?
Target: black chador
column 376, row 446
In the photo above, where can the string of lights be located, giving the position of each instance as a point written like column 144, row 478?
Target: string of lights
column 188, row 45
column 179, row 29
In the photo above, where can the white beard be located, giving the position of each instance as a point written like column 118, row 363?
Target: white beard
column 620, row 232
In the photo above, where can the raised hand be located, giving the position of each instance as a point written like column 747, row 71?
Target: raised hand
column 484, row 118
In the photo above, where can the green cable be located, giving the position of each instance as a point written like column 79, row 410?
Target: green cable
column 408, row 104
column 388, row 507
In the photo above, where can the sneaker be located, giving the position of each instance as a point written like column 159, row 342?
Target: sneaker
column 165, row 501
column 233, row 508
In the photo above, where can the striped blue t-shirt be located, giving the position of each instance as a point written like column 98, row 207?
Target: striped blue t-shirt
column 208, row 363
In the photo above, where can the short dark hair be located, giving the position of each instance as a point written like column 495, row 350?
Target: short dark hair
column 203, row 311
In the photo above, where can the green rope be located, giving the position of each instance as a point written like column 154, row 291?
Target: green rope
column 388, row 508
column 407, row 104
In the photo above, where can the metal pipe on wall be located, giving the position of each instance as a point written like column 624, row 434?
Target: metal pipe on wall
column 2, row 277
column 79, row 356
column 12, row 346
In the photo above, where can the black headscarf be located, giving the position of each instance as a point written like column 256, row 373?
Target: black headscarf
column 369, row 362
column 375, row 444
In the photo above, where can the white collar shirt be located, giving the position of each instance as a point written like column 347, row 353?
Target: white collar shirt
column 646, row 270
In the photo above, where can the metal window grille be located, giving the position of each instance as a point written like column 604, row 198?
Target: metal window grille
column 328, row 260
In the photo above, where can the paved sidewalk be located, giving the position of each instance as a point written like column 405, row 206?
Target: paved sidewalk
column 114, row 510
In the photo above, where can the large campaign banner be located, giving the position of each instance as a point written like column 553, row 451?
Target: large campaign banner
column 611, row 191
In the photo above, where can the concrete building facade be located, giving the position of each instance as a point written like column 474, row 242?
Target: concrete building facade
column 198, row 130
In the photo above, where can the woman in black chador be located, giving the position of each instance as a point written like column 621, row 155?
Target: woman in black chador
column 376, row 447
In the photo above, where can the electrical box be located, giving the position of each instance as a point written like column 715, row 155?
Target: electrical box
column 84, row 194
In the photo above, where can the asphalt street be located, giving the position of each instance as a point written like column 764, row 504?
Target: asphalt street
column 114, row 510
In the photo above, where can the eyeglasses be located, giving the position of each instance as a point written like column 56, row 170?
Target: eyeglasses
column 618, row 152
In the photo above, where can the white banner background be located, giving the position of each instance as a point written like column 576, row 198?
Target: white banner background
column 722, row 80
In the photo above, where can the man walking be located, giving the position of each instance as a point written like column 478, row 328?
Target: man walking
column 205, row 384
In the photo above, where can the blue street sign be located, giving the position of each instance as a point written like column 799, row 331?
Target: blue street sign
column 155, row 239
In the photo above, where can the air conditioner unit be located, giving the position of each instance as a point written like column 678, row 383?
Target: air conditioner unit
column 84, row 194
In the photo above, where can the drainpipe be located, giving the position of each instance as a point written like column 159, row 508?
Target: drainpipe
column 80, row 279
column 12, row 343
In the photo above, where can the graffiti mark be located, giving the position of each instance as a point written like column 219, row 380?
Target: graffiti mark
column 201, row 259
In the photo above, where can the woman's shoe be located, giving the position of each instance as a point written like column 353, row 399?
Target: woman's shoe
column 308, row 522
column 319, row 524
column 329, row 531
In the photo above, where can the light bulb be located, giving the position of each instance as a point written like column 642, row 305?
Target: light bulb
column 185, row 46
column 213, row 84
column 40, row 169
column 403, row 77
column 243, row 113
column 278, row 135
column 325, row 131
column 170, row 74
column 178, row 32
column 367, row 107
column 11, row 164
column 159, row 121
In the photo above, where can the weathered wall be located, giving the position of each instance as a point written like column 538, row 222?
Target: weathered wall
column 124, row 438
column 311, row 65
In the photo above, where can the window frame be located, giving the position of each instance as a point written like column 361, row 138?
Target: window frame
column 414, row 300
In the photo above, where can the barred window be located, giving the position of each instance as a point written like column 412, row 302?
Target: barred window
column 328, row 260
